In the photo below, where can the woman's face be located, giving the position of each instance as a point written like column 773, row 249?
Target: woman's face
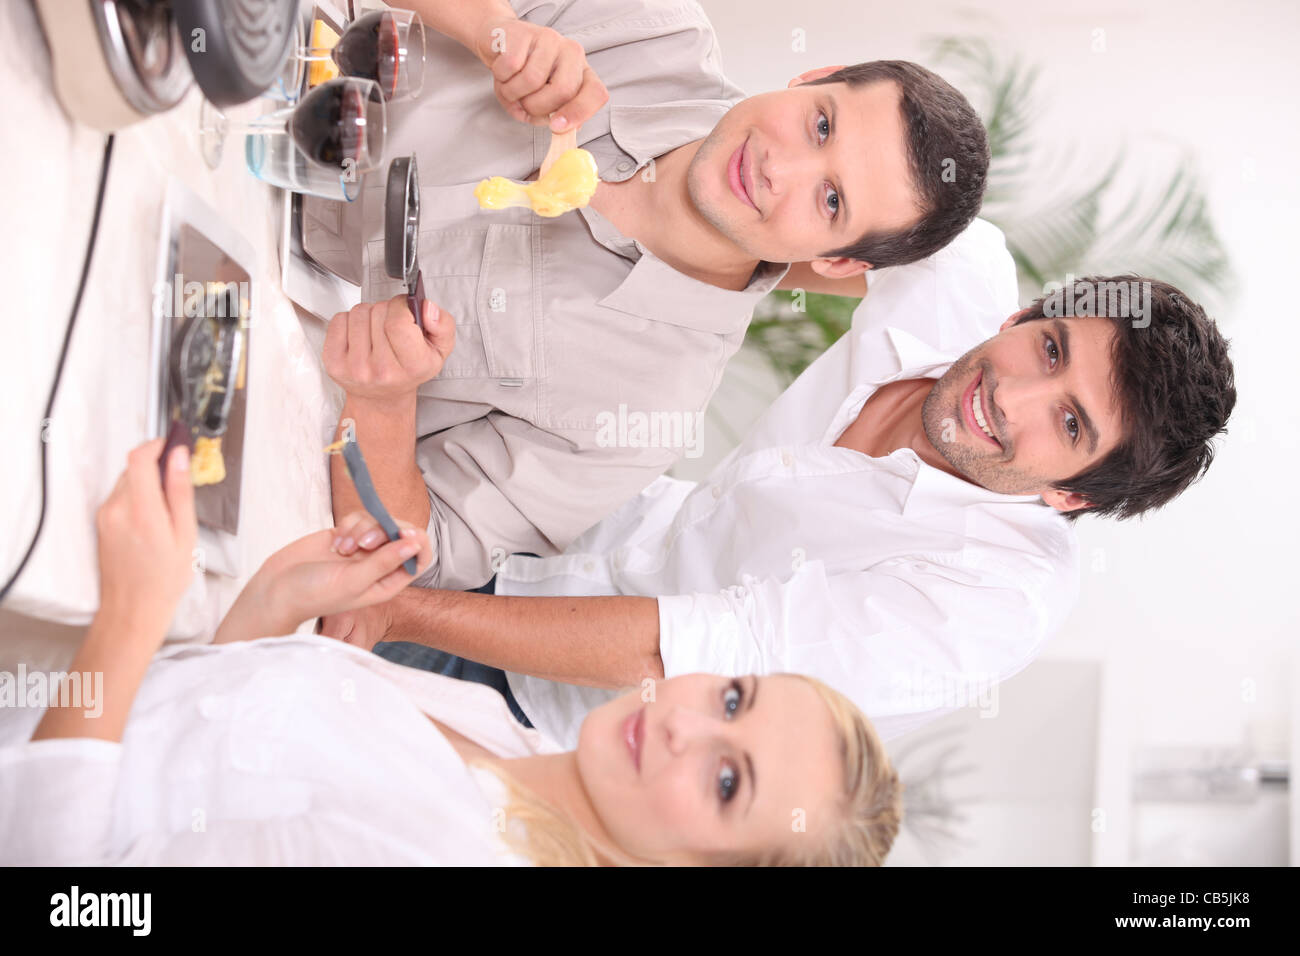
column 698, row 766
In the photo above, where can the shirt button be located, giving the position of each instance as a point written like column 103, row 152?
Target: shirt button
column 717, row 492
column 787, row 459
column 589, row 566
column 624, row 166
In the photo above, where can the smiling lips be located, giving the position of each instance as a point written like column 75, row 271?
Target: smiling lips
column 740, row 176
column 634, row 735
column 973, row 409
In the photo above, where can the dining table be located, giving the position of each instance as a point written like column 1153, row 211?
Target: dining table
column 61, row 466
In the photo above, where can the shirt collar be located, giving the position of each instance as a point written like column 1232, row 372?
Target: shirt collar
column 915, row 356
column 654, row 289
column 644, row 133
column 933, row 490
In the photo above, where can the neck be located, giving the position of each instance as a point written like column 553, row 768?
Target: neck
column 555, row 779
column 892, row 419
column 662, row 217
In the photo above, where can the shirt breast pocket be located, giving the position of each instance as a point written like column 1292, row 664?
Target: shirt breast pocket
column 506, row 302
column 484, row 279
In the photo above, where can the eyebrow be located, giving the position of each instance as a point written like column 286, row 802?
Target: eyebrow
column 749, row 762
column 1063, row 339
column 832, row 109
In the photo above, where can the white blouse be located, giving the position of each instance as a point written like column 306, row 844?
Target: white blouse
column 294, row 750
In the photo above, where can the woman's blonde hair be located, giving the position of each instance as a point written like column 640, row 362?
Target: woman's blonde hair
column 871, row 806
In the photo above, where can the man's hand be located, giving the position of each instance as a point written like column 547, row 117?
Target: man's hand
column 376, row 351
column 540, row 76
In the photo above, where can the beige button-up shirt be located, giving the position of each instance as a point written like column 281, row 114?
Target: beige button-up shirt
column 569, row 334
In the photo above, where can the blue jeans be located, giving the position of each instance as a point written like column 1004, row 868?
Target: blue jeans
column 440, row 662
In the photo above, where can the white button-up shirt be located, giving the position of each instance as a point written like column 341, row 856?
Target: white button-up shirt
column 293, row 750
column 907, row 588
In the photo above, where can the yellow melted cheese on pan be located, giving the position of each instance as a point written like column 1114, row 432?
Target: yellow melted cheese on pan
column 207, row 465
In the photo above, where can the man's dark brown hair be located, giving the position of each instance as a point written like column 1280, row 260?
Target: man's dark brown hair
column 1174, row 380
column 948, row 152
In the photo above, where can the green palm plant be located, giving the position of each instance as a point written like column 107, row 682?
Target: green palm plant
column 1082, row 226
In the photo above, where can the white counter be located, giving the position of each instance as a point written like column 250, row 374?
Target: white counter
column 50, row 169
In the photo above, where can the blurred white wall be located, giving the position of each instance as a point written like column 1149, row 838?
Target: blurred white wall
column 1192, row 612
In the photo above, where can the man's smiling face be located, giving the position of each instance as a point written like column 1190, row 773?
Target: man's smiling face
column 1043, row 390
column 790, row 175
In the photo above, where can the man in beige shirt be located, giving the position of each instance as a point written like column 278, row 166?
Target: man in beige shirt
column 573, row 335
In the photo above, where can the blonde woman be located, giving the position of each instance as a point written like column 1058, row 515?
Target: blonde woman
column 305, row 750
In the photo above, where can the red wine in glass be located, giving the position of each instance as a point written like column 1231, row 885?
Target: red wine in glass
column 330, row 126
column 370, row 48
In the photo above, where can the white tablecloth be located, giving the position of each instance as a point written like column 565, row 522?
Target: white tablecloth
column 50, row 169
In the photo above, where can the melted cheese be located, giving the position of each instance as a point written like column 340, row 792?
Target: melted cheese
column 207, row 465
column 569, row 184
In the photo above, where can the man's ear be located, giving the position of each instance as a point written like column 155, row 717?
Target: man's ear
column 811, row 75
column 1064, row 501
column 1013, row 319
column 839, row 267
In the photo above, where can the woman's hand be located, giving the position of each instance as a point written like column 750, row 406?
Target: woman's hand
column 146, row 539
column 146, row 547
column 540, row 76
column 313, row 577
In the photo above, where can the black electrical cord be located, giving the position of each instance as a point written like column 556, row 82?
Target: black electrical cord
column 63, row 355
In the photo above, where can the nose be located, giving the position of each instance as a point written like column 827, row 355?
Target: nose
column 684, row 727
column 772, row 173
column 790, row 159
column 1015, row 396
column 779, row 172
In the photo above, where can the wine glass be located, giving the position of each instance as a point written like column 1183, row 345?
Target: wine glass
column 386, row 46
column 324, row 144
column 287, row 87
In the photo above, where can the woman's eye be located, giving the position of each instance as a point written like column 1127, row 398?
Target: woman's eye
column 823, row 127
column 1072, row 426
column 728, row 782
column 1052, row 352
column 832, row 201
column 731, row 700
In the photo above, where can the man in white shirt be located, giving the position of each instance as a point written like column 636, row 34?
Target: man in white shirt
column 897, row 523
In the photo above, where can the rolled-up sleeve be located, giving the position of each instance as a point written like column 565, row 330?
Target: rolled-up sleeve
column 905, row 640
column 499, row 485
column 56, row 801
